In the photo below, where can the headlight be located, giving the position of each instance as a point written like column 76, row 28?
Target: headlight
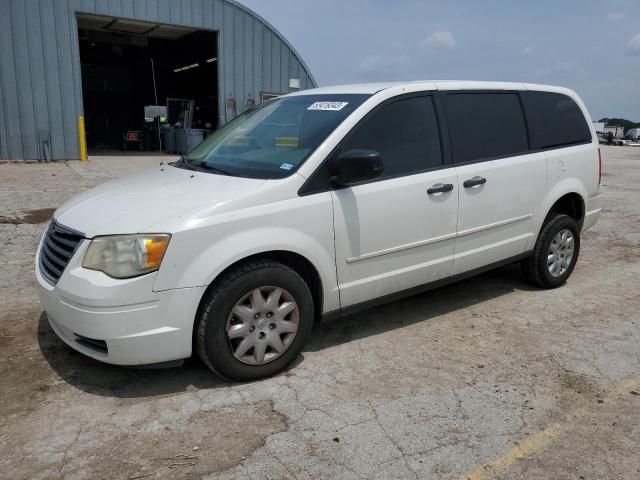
column 126, row 256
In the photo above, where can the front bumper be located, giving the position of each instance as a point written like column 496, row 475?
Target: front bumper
column 122, row 322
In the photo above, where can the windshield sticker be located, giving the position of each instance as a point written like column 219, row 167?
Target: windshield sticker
column 328, row 106
column 289, row 142
column 286, row 166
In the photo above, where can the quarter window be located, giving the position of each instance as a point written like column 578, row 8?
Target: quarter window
column 405, row 133
column 485, row 125
column 554, row 120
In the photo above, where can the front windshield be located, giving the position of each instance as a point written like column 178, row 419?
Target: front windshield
column 274, row 138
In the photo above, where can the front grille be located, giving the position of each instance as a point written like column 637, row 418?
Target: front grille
column 59, row 245
column 92, row 343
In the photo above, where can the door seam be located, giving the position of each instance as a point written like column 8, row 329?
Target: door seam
column 335, row 249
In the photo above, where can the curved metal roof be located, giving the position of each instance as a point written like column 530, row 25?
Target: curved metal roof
column 279, row 35
column 40, row 68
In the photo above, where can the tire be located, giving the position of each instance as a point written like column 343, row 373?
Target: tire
column 536, row 268
column 234, row 291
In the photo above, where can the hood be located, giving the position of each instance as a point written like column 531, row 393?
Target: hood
column 133, row 204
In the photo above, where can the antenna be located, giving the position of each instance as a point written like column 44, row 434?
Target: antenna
column 155, row 94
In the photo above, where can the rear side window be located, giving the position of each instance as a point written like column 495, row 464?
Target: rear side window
column 554, row 120
column 485, row 125
column 405, row 133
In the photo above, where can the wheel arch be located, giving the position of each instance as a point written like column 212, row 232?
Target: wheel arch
column 571, row 204
column 297, row 262
column 568, row 198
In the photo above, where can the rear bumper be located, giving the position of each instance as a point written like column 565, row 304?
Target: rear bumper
column 594, row 207
column 122, row 322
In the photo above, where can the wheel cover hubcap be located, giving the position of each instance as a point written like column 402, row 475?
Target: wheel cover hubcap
column 560, row 253
column 262, row 325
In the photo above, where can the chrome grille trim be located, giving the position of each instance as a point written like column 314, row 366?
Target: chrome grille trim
column 58, row 247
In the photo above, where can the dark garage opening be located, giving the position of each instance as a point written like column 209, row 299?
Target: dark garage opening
column 117, row 81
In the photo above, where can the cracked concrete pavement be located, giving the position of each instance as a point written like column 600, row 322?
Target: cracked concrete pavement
column 467, row 380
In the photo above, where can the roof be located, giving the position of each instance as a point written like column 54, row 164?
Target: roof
column 371, row 88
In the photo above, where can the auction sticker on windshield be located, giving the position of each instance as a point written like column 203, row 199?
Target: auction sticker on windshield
column 328, row 106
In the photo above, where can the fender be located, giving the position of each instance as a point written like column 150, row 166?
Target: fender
column 303, row 226
column 250, row 243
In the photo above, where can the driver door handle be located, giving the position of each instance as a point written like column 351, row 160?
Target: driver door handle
column 474, row 182
column 440, row 188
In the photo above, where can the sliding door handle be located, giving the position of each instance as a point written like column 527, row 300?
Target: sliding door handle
column 474, row 182
column 440, row 188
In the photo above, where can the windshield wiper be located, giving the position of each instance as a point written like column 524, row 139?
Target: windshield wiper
column 201, row 165
column 210, row 168
column 182, row 162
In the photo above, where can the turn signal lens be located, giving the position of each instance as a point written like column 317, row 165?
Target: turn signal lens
column 155, row 248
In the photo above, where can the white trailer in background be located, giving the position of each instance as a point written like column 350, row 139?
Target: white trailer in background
column 617, row 131
column 633, row 134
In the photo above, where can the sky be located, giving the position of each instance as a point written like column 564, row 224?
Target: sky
column 590, row 46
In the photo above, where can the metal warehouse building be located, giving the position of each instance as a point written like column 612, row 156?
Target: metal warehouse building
column 68, row 66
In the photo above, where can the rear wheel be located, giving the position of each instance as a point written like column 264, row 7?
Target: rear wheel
column 555, row 253
column 254, row 320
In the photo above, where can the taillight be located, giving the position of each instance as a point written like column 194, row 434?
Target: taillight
column 599, row 167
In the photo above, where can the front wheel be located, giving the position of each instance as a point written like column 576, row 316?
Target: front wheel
column 254, row 320
column 555, row 253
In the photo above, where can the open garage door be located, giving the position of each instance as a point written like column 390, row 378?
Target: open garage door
column 116, row 55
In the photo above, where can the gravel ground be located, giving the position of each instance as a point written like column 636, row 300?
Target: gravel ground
column 487, row 378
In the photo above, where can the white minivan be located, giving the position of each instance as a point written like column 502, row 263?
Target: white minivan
column 315, row 205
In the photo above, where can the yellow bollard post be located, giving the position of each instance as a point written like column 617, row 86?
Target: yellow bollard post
column 82, row 138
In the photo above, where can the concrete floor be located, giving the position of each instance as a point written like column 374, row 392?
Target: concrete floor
column 487, row 378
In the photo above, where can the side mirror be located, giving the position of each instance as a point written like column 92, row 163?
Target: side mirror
column 356, row 166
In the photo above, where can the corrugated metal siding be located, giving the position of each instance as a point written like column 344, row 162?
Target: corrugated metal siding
column 40, row 80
